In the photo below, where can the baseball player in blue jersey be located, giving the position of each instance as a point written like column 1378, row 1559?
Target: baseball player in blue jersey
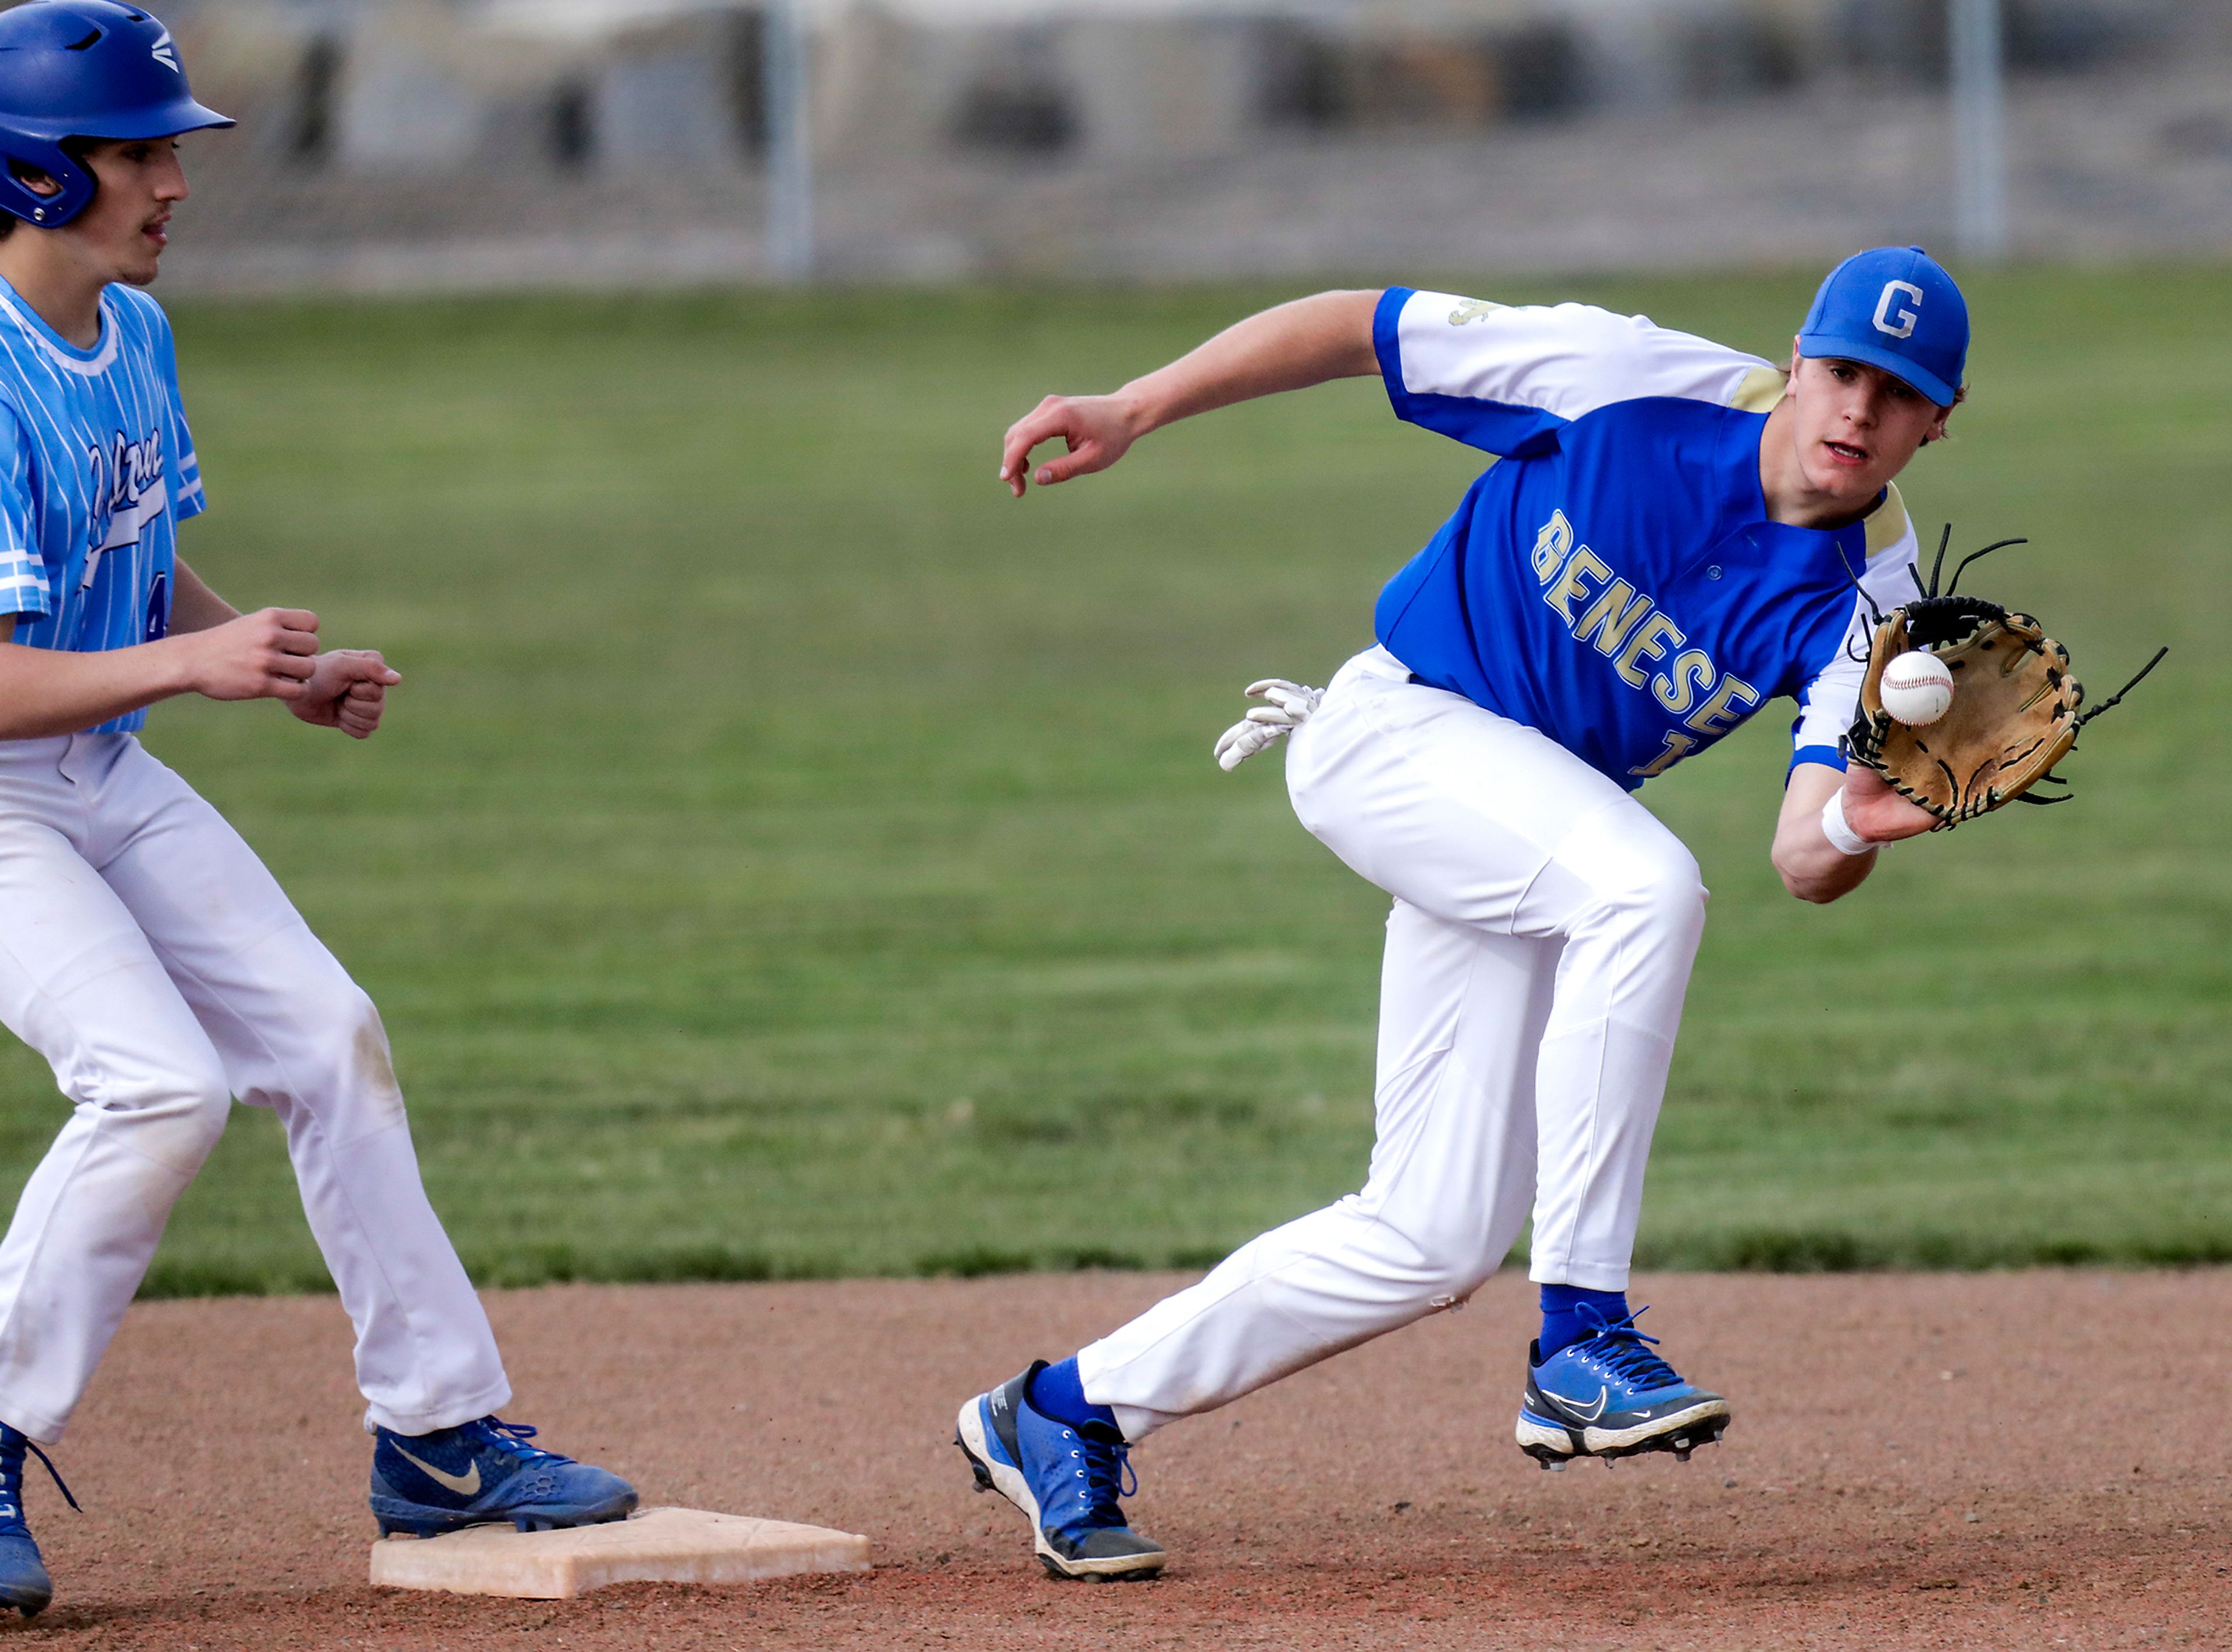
column 145, row 952
column 1672, row 537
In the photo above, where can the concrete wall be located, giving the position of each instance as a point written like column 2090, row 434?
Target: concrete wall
column 393, row 143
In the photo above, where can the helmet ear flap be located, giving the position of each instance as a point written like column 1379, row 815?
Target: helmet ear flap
column 19, row 200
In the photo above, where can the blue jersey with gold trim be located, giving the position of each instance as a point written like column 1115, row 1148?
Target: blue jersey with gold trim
column 1613, row 581
column 97, row 469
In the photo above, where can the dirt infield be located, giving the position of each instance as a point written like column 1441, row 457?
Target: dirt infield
column 2010, row 1461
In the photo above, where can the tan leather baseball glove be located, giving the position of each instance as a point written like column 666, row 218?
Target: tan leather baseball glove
column 2014, row 712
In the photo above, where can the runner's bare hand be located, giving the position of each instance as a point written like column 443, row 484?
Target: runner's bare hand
column 267, row 655
column 347, row 691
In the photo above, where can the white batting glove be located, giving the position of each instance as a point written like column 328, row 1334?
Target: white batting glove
column 1290, row 707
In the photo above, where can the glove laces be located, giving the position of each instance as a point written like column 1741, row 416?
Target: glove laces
column 1626, row 1352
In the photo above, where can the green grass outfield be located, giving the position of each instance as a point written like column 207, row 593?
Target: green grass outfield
column 789, row 857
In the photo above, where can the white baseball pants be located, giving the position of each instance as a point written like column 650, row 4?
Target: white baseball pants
column 1537, row 955
column 148, row 955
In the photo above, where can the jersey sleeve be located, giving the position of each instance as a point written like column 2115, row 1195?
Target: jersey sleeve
column 190, row 500
column 1506, row 378
column 1830, row 698
column 25, row 591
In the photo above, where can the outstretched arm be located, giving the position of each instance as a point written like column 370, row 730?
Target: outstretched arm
column 1813, row 868
column 1291, row 347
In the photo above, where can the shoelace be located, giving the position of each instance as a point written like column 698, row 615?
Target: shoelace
column 512, row 1438
column 11, row 1470
column 1621, row 1349
column 1107, row 1467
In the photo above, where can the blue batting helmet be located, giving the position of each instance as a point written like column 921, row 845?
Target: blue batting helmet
column 82, row 68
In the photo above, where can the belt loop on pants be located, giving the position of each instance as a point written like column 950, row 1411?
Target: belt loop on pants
column 80, row 760
column 37, row 758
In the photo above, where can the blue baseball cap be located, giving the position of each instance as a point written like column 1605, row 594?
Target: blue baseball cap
column 1893, row 307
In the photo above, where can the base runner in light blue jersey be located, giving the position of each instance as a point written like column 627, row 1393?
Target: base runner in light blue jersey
column 1674, row 535
column 145, row 952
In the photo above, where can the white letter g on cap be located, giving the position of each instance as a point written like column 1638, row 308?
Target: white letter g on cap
column 1906, row 318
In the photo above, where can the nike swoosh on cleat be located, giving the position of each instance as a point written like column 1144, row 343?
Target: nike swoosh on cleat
column 468, row 1484
column 1587, row 1414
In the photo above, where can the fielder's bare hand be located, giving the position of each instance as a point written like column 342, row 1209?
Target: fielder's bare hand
column 347, row 691
column 1328, row 335
column 1097, row 431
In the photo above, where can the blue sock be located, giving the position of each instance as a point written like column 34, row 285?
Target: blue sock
column 1058, row 1392
column 1564, row 1323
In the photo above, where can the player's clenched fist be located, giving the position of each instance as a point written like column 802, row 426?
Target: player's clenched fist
column 269, row 654
column 347, row 691
column 1097, row 430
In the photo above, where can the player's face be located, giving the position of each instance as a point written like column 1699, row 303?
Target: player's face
column 127, row 226
column 1857, row 426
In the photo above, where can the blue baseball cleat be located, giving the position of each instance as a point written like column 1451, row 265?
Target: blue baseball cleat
column 23, row 1581
column 1066, row 1480
column 482, row 1471
column 1608, row 1396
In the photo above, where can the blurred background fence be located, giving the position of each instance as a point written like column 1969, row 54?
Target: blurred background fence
column 431, row 143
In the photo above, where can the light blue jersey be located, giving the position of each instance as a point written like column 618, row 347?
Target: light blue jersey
column 97, row 470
